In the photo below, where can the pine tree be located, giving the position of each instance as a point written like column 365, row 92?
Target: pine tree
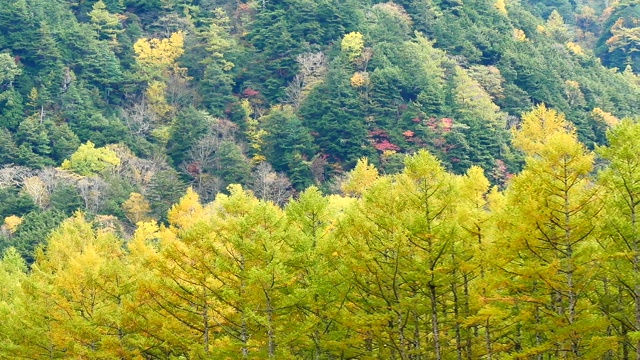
column 622, row 180
column 554, row 206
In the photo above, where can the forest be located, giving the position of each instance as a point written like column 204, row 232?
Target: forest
column 421, row 264
column 319, row 179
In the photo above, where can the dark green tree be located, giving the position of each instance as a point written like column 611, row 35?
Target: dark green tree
column 334, row 115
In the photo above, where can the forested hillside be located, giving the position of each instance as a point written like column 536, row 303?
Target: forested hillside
column 423, row 264
column 447, row 179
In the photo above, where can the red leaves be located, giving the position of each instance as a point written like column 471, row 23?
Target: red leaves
column 385, row 145
column 380, row 140
column 249, row 92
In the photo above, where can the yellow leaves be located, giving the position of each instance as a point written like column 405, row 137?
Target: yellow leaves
column 599, row 346
column 575, row 48
column 423, row 165
column 538, row 126
column 255, row 133
column 141, row 245
column 572, row 84
column 360, row 79
column 519, row 35
column 156, row 95
column 605, row 117
column 156, row 59
column 159, row 52
column 239, row 201
column 624, row 38
column 574, row 93
column 136, row 208
column 501, row 6
column 246, row 106
column 187, row 211
column 555, row 20
column 475, row 184
column 33, row 96
column 353, row 45
column 66, row 242
column 360, row 178
column 11, row 223
column 89, row 160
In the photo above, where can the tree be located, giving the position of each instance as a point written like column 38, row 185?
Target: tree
column 554, row 208
column 157, row 60
column 159, row 54
column 80, row 293
column 8, row 70
column 8, row 148
column 34, row 142
column 12, row 276
column 33, row 232
column 187, row 128
column 104, row 22
column 89, row 160
column 622, row 180
column 13, row 202
column 321, row 294
column 288, row 146
column 352, row 45
column 136, row 208
column 334, row 115
column 270, row 186
column 165, row 188
column 36, row 188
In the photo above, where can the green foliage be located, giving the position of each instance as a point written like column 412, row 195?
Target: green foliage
column 289, row 146
column 546, row 266
column 8, row 70
column 66, row 198
column 310, row 87
column 618, row 42
column 14, row 202
column 336, row 119
column 33, row 232
column 187, row 128
column 89, row 160
column 164, row 189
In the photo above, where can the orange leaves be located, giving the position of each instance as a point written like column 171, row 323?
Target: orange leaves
column 359, row 79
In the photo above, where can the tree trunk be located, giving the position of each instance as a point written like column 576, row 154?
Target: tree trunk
column 434, row 322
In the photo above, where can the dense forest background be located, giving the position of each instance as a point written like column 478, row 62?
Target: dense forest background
column 111, row 111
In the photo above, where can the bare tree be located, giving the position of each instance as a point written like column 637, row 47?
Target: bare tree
column 267, row 185
column 318, row 164
column 313, row 67
column 134, row 169
column 179, row 92
column 92, row 191
column 54, row 177
column 207, row 186
column 203, row 163
column 14, row 175
column 36, row 188
column 202, row 153
column 139, row 117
